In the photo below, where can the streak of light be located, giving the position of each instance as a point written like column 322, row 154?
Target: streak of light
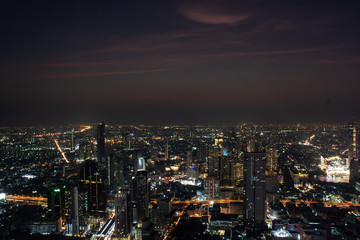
column 60, row 150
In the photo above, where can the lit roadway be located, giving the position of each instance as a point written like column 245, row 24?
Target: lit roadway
column 105, row 231
column 205, row 201
column 62, row 133
column 26, row 199
column 61, row 151
column 42, row 200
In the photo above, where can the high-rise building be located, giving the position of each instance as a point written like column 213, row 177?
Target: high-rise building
column 91, row 182
column 227, row 170
column 254, row 192
column 233, row 143
column 214, row 162
column 188, row 159
column 166, row 149
column 100, row 139
column 142, row 193
column 56, row 204
column 353, row 158
column 212, row 187
column 271, row 160
column 74, row 211
column 115, row 168
column 122, row 217
column 72, row 140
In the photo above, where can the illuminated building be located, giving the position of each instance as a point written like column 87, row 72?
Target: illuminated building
column 56, row 204
column 166, row 150
column 74, row 211
column 254, row 191
column 214, row 162
column 353, row 152
column 201, row 157
column 122, row 218
column 212, row 187
column 188, row 159
column 192, row 173
column 115, row 168
column 72, row 140
column 271, row 160
column 100, row 139
column 91, row 183
column 227, row 170
column 142, row 193
column 281, row 234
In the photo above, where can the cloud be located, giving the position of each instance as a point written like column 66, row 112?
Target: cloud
column 278, row 52
column 213, row 12
column 71, row 64
column 96, row 74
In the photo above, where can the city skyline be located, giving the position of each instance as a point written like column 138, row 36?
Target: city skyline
column 179, row 61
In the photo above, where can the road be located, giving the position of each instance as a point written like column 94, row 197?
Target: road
column 105, row 231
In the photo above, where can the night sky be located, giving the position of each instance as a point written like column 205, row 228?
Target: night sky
column 173, row 61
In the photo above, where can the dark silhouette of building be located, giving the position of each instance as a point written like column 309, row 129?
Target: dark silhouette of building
column 142, row 193
column 214, row 162
column 122, row 214
column 254, row 191
column 166, row 149
column 56, row 204
column 91, row 182
column 100, row 139
column 353, row 152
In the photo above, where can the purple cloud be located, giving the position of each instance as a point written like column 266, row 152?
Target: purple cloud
column 213, row 12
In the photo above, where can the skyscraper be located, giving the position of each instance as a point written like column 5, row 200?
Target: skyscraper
column 214, row 162
column 271, row 160
column 254, row 192
column 56, row 203
column 166, row 150
column 122, row 219
column 72, row 140
column 100, row 138
column 92, row 184
column 142, row 193
column 74, row 211
column 188, row 159
column 353, row 152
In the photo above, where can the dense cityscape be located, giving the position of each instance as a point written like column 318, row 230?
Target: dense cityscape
column 248, row 181
column 179, row 120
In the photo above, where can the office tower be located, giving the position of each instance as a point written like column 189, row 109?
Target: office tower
column 227, row 170
column 56, row 204
column 74, row 211
column 72, row 140
column 122, row 217
column 115, row 168
column 166, row 149
column 92, row 184
column 188, row 159
column 271, row 160
column 353, row 152
column 233, row 143
column 201, row 153
column 142, row 193
column 238, row 172
column 100, row 138
column 214, row 162
column 212, row 187
column 254, row 192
